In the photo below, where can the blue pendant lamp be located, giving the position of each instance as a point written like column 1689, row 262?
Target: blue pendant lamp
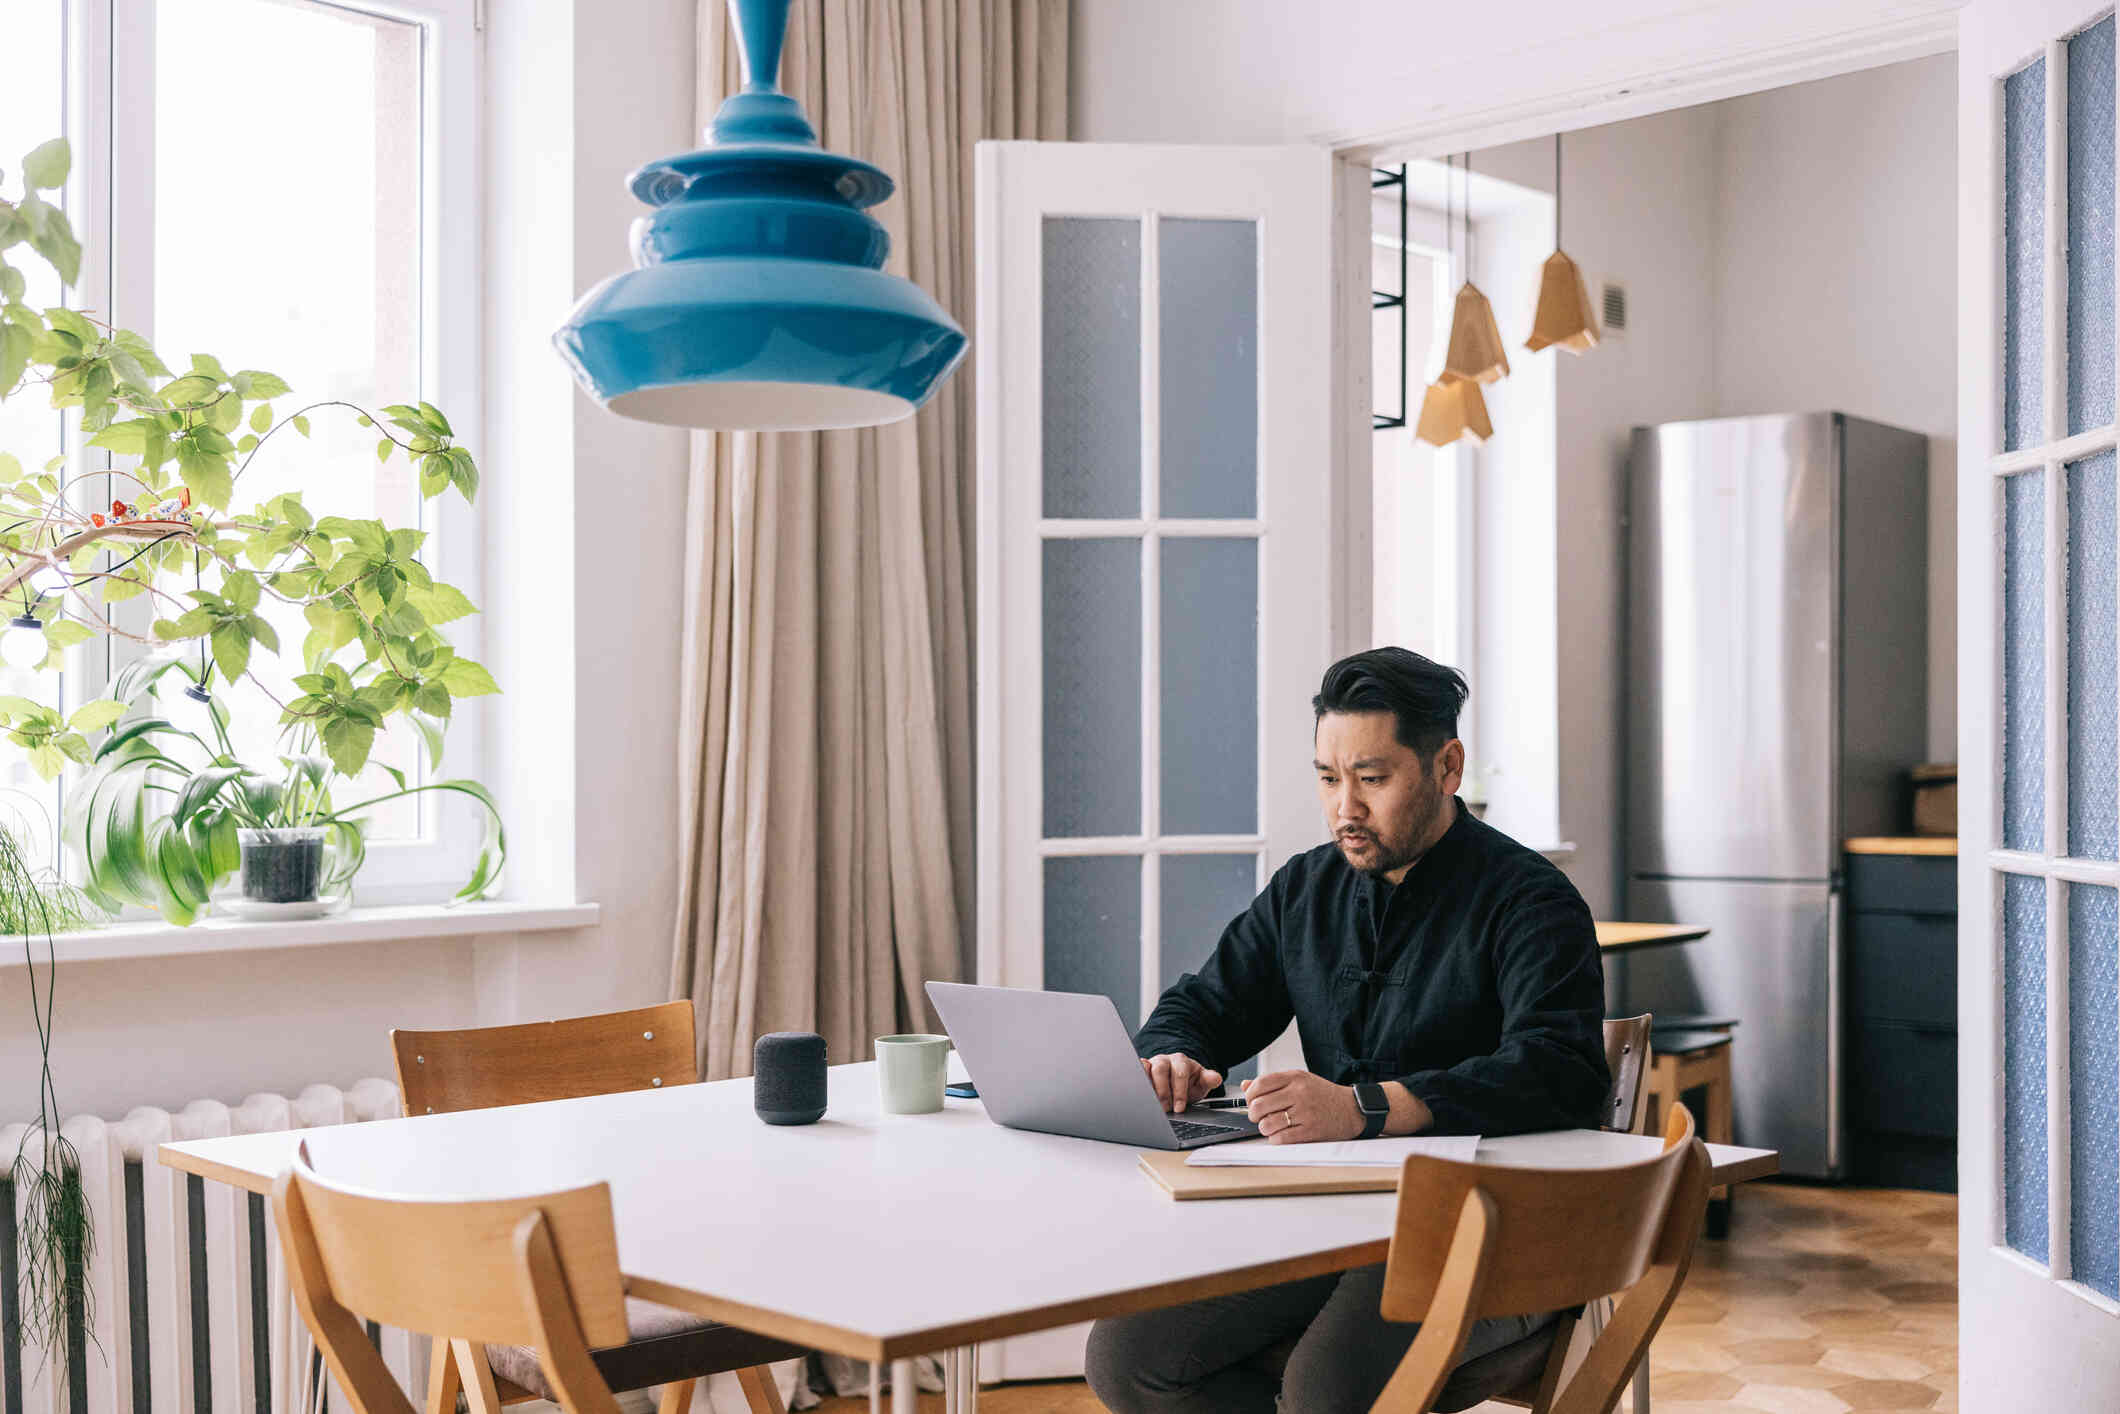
column 760, row 300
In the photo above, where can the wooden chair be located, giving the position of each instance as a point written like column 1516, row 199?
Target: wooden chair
column 1627, row 1057
column 541, row 1272
column 1475, row 1241
column 440, row 1072
column 1697, row 1059
column 649, row 1048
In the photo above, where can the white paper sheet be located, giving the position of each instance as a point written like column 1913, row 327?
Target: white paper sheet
column 1364, row 1153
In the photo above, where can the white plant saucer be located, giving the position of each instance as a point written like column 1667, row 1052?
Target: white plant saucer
column 256, row 911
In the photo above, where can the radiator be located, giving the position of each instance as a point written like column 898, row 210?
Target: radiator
column 191, row 1312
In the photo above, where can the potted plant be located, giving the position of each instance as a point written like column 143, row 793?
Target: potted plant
column 157, row 820
column 281, row 828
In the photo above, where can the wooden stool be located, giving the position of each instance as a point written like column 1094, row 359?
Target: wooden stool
column 1695, row 1060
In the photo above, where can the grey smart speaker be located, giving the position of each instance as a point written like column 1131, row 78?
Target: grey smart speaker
column 787, row 1077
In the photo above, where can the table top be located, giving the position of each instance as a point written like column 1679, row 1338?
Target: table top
column 1625, row 937
column 876, row 1236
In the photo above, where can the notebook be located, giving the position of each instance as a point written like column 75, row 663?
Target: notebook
column 1349, row 1153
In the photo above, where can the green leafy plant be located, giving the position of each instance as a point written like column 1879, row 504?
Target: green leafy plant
column 154, row 819
column 157, row 814
column 57, row 1234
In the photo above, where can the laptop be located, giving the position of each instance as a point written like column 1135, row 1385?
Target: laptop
column 1064, row 1063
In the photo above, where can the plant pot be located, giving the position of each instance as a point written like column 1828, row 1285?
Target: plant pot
column 283, row 866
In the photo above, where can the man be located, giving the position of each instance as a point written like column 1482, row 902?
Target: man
column 1443, row 979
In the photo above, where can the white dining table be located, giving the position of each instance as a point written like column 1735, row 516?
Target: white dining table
column 877, row 1236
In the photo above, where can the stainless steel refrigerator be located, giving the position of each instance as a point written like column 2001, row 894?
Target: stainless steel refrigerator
column 1777, row 694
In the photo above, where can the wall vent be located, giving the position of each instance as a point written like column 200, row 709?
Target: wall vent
column 1612, row 309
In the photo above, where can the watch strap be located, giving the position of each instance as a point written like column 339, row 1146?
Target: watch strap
column 1375, row 1106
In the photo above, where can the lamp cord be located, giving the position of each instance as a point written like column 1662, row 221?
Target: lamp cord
column 1556, row 191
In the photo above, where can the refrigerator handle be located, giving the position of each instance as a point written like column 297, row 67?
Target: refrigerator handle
column 1835, row 1031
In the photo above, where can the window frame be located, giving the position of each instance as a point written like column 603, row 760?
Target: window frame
column 110, row 197
column 1453, row 498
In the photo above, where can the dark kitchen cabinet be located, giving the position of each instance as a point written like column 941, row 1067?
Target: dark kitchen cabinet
column 1901, row 1080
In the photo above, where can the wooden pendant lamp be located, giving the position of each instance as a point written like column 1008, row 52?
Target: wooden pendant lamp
column 1450, row 410
column 1564, row 318
column 1454, row 407
column 1475, row 352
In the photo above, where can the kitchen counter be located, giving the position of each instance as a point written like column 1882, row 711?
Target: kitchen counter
column 1903, row 844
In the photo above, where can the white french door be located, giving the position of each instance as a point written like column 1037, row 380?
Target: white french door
column 2039, row 708
column 1155, row 523
column 1157, row 578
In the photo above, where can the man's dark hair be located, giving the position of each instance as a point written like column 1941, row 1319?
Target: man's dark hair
column 1423, row 696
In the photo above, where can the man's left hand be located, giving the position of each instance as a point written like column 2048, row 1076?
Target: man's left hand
column 1296, row 1107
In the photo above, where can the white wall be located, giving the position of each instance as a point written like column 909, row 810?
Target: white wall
column 1836, row 279
column 1271, row 71
column 583, row 583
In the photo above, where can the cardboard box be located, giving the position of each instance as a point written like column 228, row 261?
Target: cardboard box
column 1936, row 798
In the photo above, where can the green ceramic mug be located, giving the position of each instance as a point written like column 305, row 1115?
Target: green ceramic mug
column 911, row 1071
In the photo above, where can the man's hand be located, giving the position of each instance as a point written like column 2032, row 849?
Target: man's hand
column 1179, row 1080
column 1296, row 1107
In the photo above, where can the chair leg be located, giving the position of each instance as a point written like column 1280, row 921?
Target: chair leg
column 759, row 1390
column 443, row 1381
column 471, row 1367
column 676, row 1397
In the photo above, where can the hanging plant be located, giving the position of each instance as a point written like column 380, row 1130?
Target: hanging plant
column 56, row 1236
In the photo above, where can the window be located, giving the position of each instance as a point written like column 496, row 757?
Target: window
column 290, row 185
column 1421, row 496
column 2058, row 641
column 32, row 109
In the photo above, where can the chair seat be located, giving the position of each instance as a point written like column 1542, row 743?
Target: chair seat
column 1686, row 1043
column 666, row 1345
column 1693, row 1021
column 1509, row 1370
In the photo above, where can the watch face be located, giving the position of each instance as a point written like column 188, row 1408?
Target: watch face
column 1371, row 1100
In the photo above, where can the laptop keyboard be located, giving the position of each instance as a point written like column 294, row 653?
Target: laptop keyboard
column 1186, row 1129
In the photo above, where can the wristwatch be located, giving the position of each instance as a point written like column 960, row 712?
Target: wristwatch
column 1375, row 1106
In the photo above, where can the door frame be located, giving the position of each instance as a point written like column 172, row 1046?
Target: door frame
column 1728, row 63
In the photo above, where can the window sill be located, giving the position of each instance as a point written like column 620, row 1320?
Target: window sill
column 358, row 925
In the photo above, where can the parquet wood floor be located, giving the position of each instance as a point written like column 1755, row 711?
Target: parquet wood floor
column 1823, row 1300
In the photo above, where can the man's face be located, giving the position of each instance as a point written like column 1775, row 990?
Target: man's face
column 1382, row 804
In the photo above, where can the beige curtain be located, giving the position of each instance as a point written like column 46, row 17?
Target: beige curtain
column 826, row 794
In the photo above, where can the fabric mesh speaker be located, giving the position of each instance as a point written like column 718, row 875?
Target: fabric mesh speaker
column 787, row 1077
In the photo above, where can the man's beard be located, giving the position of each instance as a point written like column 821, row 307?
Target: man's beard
column 1377, row 856
column 1373, row 855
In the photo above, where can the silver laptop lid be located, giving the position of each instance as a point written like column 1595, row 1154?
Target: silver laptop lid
column 1061, row 1062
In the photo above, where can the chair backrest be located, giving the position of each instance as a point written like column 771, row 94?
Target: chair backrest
column 540, row 1271
column 1627, row 1057
column 1477, row 1240
column 474, row 1069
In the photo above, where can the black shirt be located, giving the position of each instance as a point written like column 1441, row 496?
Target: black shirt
column 1476, row 983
